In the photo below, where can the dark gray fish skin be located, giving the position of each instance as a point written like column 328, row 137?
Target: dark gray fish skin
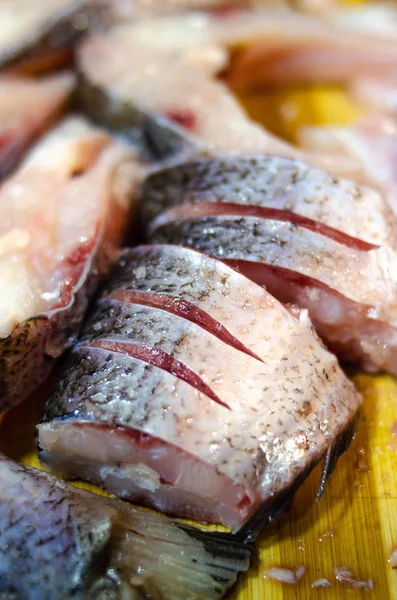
column 161, row 269
column 274, row 243
column 159, row 138
column 220, row 180
column 59, row 542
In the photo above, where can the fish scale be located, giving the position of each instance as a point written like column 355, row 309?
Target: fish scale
column 355, row 274
column 188, row 343
column 160, row 438
column 240, row 306
column 276, row 182
column 252, row 212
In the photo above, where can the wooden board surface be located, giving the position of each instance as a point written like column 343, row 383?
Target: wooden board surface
column 355, row 524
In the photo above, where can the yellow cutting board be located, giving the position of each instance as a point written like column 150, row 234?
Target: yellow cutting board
column 355, row 523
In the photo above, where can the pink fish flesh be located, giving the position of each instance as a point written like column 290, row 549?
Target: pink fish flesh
column 62, row 216
column 27, row 107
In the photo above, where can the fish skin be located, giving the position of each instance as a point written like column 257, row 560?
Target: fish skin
column 356, row 274
column 119, row 396
column 62, row 266
column 177, row 274
column 48, row 538
column 61, row 542
column 348, row 287
column 183, row 341
column 274, row 182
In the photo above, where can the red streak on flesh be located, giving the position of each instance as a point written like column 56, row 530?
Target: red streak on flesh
column 73, row 267
column 162, row 360
column 185, row 309
column 80, row 254
column 225, row 12
column 6, row 139
column 184, row 118
column 261, row 274
column 208, row 209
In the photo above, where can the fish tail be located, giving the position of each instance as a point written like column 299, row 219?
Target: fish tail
column 174, row 561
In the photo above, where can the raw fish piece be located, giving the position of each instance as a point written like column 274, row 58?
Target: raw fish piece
column 198, row 113
column 183, row 49
column 270, row 182
column 27, row 107
column 195, row 391
column 369, row 146
column 325, row 244
column 117, row 11
column 37, row 35
column 346, row 44
column 376, row 92
column 63, row 215
column 123, row 10
column 58, row 542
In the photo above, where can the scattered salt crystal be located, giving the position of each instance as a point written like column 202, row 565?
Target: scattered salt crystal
column 327, row 534
column 362, row 463
column 289, row 110
column 344, row 575
column 140, row 272
column 322, row 582
column 281, row 574
column 393, row 559
column 290, row 576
